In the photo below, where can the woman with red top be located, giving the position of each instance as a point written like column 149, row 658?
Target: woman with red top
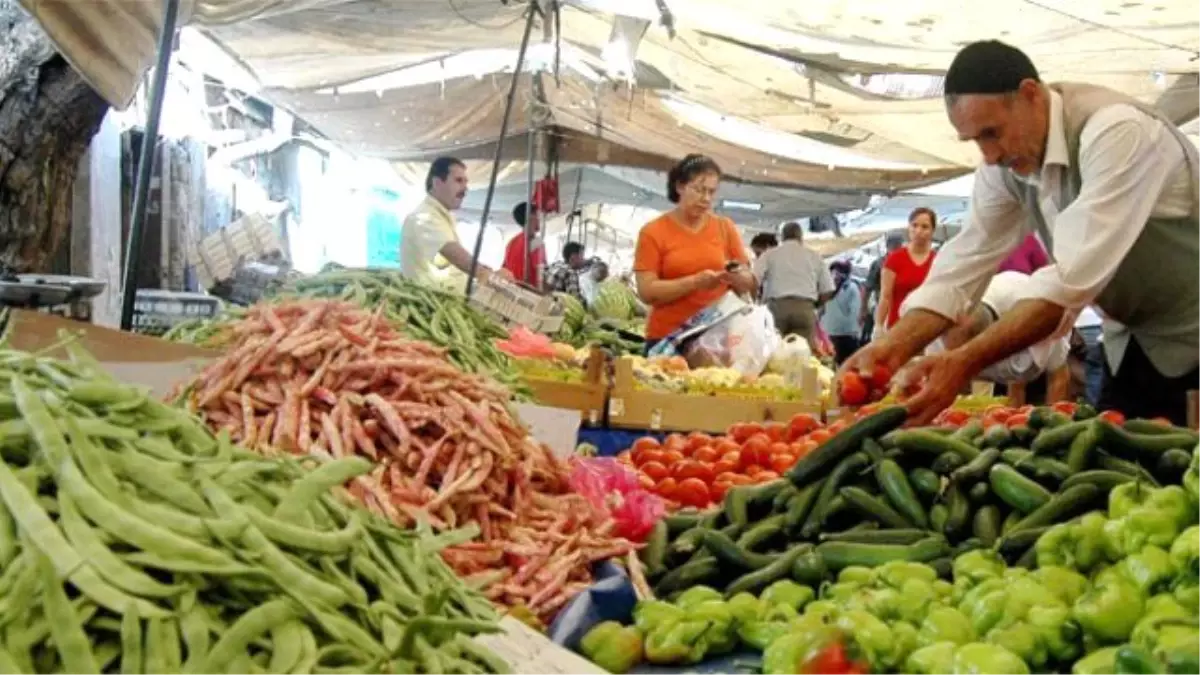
column 906, row 268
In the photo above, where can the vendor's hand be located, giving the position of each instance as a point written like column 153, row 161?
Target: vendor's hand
column 709, row 279
column 876, row 352
column 937, row 380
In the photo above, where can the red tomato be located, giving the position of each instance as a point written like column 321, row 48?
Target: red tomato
column 690, row 468
column 731, row 477
column 752, row 470
column 675, row 442
column 734, row 457
column 853, row 390
column 999, row 413
column 765, row 476
column 726, row 444
column 802, row 448
column 782, row 462
column 666, row 488
column 757, row 449
column 835, row 428
column 955, row 418
column 833, row 660
column 1018, row 420
column 645, row 443
column 718, row 489
column 775, row 431
column 655, row 470
column 1113, row 416
column 645, row 456
column 800, row 425
column 1067, row 408
column 693, row 492
column 723, row 466
column 743, row 431
column 706, row 455
column 820, row 436
column 881, row 377
column 1028, row 408
column 779, row 447
column 671, row 457
column 697, row 440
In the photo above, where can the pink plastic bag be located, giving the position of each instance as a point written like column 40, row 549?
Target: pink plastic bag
column 610, row 487
column 526, row 344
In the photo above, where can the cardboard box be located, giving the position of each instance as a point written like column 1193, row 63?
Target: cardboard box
column 632, row 408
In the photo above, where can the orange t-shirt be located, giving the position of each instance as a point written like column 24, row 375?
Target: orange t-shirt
column 672, row 251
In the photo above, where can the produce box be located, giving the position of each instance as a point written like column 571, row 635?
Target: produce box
column 633, row 408
column 589, row 397
column 513, row 305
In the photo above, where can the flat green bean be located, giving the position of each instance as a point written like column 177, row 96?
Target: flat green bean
column 66, row 626
column 247, row 628
column 108, row 564
column 318, row 482
column 286, row 534
column 287, row 646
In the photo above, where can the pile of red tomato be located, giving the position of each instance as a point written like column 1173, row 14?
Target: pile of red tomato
column 1013, row 416
column 697, row 469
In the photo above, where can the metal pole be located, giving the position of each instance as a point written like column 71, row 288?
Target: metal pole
column 491, row 191
column 530, row 210
column 141, row 189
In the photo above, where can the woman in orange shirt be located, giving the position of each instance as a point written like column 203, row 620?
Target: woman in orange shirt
column 682, row 260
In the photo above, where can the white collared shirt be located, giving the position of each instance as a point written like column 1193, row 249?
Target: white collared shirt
column 1132, row 168
column 426, row 230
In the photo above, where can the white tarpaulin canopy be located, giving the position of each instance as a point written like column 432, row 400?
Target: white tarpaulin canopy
column 820, row 94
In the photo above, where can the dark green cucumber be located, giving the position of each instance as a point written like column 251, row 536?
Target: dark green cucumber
column 947, row 462
column 1079, row 452
column 1062, row 507
column 654, row 554
column 1057, row 438
column 1016, row 456
column 1104, row 479
column 967, row 545
column 1084, row 411
column 1147, row 447
column 1039, row 416
column 753, row 582
column 779, row 503
column 976, row 468
column 682, row 521
column 873, row 449
column 980, row 493
column 1010, row 521
column 958, row 513
column 996, row 437
column 1012, row 546
column 1137, row 471
column 841, row 554
column 846, row 468
column 1019, row 492
column 874, row 508
column 730, row 554
column 927, row 483
column 1022, row 434
column 944, row 567
column 800, row 505
column 968, row 432
column 986, row 524
column 742, row 499
column 686, row 576
column 900, row 493
column 1158, row 428
column 877, row 536
column 1171, row 465
column 762, row 532
column 834, row 509
column 843, row 444
column 923, row 440
column 809, row 568
column 937, row 517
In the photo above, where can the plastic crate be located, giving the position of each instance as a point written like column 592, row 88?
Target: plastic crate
column 513, row 305
column 155, row 311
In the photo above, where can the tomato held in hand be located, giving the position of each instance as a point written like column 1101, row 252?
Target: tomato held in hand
column 853, row 389
column 881, row 378
column 693, row 492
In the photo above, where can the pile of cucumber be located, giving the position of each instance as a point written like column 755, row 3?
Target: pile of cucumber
column 877, row 492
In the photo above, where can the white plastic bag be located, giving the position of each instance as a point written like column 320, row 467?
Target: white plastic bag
column 743, row 342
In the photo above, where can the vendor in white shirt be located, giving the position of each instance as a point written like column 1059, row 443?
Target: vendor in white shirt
column 1002, row 294
column 1110, row 186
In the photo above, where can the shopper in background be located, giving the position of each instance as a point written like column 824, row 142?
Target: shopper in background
column 683, row 258
column 430, row 252
column 1027, row 258
column 794, row 282
column 763, row 242
column 563, row 276
column 871, row 289
column 905, row 268
column 514, row 253
column 590, row 280
column 840, row 316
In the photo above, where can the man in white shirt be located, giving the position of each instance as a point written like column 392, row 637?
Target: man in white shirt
column 1111, row 187
column 1002, row 294
column 794, row 282
column 430, row 251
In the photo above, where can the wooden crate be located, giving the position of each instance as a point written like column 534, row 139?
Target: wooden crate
column 632, row 408
column 589, row 397
column 216, row 257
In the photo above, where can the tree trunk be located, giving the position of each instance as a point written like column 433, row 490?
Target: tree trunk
column 48, row 115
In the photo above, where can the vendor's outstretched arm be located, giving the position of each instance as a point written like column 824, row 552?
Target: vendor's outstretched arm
column 1026, row 324
column 912, row 333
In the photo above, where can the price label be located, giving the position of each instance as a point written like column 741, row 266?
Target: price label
column 656, row 419
column 616, row 407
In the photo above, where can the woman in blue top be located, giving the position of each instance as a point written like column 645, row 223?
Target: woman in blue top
column 840, row 316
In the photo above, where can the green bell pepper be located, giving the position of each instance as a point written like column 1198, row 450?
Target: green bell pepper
column 1130, row 660
column 884, row 602
column 1124, row 498
column 1160, row 613
column 944, row 590
column 1021, row 595
column 761, row 634
column 856, row 574
column 613, row 647
column 873, row 637
column 746, row 608
column 1097, row 663
column 897, row 573
column 1149, row 569
column 1185, row 554
column 1157, row 520
column 821, row 610
column 696, row 595
column 840, row 591
column 1021, row 639
column 1179, row 648
column 905, row 638
column 1066, row 584
column 721, row 634
column 1187, row 593
column 945, row 624
column 1109, row 611
column 977, row 566
column 1080, row 546
column 916, row 597
column 787, row 592
column 1191, row 479
column 678, row 642
column 982, row 658
column 935, row 658
column 984, row 605
column 649, row 614
column 786, row 653
column 1058, row 632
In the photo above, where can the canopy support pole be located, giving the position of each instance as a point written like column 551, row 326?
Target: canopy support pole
column 145, row 167
column 531, row 211
column 508, row 105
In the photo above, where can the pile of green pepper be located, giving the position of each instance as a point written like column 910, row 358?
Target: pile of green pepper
column 133, row 540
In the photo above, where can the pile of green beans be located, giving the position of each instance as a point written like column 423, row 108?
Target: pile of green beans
column 132, row 540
